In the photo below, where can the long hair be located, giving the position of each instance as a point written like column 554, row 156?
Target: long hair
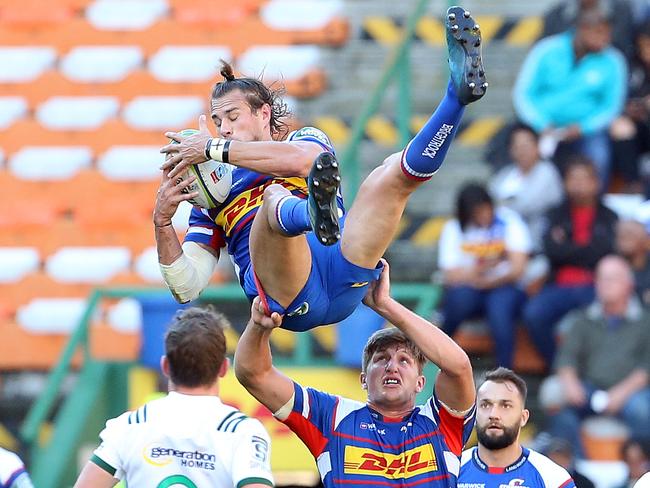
column 257, row 95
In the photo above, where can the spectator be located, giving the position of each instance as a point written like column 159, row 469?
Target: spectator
column 636, row 455
column 561, row 452
column 529, row 186
column 572, row 86
column 630, row 132
column 564, row 16
column 483, row 253
column 595, row 377
column 579, row 232
column 633, row 244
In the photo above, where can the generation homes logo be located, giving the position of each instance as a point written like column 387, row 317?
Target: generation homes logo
column 160, row 456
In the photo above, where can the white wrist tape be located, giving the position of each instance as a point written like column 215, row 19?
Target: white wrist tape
column 190, row 273
column 218, row 150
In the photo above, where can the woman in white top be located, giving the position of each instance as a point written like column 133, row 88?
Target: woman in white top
column 482, row 254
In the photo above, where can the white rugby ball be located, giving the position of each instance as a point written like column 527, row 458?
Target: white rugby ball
column 213, row 180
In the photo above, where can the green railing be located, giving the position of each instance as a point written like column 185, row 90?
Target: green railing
column 103, row 385
column 399, row 65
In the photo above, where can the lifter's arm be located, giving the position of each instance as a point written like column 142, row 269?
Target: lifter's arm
column 253, row 361
column 276, row 158
column 455, row 382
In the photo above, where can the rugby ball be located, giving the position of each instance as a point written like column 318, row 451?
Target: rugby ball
column 213, row 180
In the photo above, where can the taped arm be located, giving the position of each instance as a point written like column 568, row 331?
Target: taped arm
column 190, row 273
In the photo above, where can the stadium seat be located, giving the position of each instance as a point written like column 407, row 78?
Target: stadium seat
column 300, row 14
column 51, row 315
column 25, row 63
column 163, row 113
column 96, row 64
column 76, row 113
column 11, row 109
column 146, row 266
column 49, row 162
column 279, row 62
column 131, row 163
column 126, row 14
column 28, row 14
column 16, row 262
column 21, row 349
column 187, row 63
column 125, row 316
column 213, row 14
column 87, row 264
column 99, row 140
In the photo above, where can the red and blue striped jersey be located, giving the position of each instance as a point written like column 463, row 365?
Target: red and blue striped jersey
column 229, row 223
column 531, row 470
column 357, row 446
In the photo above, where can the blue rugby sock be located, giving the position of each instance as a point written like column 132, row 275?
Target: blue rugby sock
column 292, row 214
column 426, row 152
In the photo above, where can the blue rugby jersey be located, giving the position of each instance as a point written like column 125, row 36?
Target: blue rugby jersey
column 357, row 446
column 531, row 470
column 229, row 224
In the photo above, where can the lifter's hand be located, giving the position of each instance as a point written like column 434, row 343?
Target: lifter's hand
column 169, row 196
column 378, row 294
column 261, row 320
column 189, row 150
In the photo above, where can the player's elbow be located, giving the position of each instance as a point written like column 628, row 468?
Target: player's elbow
column 247, row 374
column 460, row 365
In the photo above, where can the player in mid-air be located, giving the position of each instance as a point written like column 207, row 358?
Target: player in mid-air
column 500, row 459
column 387, row 441
column 274, row 222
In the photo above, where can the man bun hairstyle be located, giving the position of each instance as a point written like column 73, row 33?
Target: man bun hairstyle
column 257, row 95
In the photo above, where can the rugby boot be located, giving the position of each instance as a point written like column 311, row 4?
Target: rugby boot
column 324, row 182
column 465, row 60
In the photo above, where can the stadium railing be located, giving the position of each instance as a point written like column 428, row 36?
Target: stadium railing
column 398, row 64
column 101, row 388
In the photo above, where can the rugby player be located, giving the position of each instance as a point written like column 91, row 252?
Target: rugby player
column 284, row 233
column 188, row 438
column 500, row 459
column 388, row 441
column 12, row 471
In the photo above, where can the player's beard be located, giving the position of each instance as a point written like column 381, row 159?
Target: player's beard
column 495, row 442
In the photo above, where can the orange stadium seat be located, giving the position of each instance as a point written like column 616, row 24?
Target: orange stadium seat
column 239, row 37
column 38, row 285
column 28, row 14
column 29, row 132
column 141, row 83
column 17, row 262
column 20, row 349
column 11, row 110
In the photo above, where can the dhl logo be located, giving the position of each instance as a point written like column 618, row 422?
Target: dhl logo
column 411, row 463
column 251, row 199
column 485, row 249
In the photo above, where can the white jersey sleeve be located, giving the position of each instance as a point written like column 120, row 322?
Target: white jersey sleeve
column 644, row 481
column 12, row 471
column 107, row 456
column 450, row 253
column 251, row 460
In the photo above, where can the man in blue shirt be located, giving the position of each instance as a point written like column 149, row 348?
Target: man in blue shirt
column 572, row 86
column 500, row 459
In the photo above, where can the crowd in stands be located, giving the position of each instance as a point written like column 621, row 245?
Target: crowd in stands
column 538, row 246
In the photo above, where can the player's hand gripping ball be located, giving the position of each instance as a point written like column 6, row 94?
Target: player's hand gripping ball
column 213, row 180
